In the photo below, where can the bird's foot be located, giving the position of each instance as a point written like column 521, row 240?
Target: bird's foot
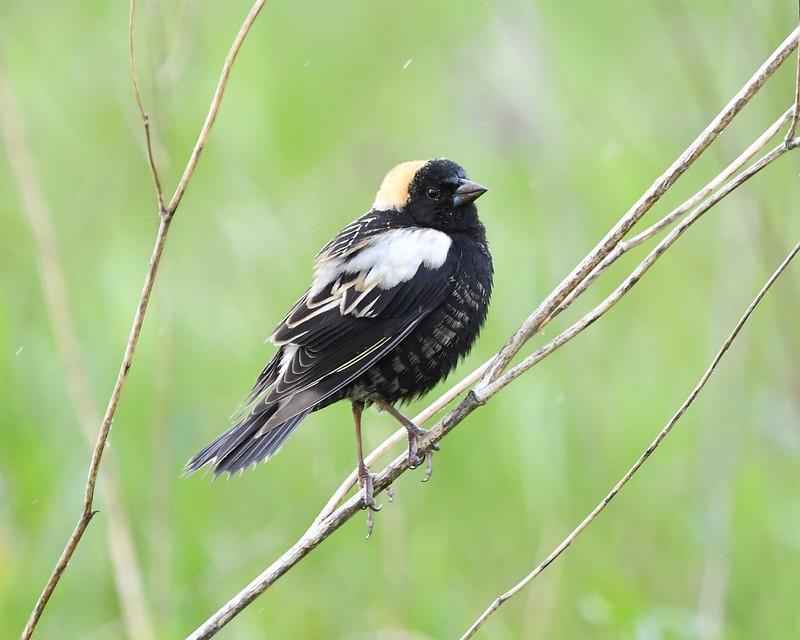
column 366, row 481
column 414, row 434
column 414, row 459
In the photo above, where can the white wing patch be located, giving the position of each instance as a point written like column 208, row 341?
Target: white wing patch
column 392, row 258
column 352, row 283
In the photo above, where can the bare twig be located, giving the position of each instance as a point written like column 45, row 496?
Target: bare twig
column 793, row 127
column 142, row 113
column 323, row 527
column 640, row 461
column 215, row 102
column 545, row 310
column 623, row 247
column 626, row 245
column 127, row 574
column 87, row 512
column 166, row 216
column 615, row 296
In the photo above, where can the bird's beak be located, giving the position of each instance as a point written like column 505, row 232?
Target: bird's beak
column 467, row 192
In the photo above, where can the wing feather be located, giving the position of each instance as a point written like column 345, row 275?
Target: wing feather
column 375, row 281
column 360, row 232
column 335, row 347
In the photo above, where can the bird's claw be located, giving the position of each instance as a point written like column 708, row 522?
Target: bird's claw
column 414, row 459
column 366, row 481
column 429, row 465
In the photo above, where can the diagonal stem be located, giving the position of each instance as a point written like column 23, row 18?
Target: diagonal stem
column 790, row 135
column 566, row 542
column 142, row 113
column 615, row 296
column 166, row 216
column 544, row 311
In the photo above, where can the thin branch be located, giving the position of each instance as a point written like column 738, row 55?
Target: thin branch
column 615, row 296
column 623, row 247
column 545, row 310
column 133, row 339
column 215, row 102
column 324, row 527
column 566, row 542
column 793, row 128
column 142, row 113
column 97, row 453
column 125, row 566
column 626, row 245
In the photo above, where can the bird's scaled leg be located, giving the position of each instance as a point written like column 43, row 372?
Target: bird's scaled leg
column 365, row 477
column 414, row 433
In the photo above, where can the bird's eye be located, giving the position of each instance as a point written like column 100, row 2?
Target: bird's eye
column 433, row 193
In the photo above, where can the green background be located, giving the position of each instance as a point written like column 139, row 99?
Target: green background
column 567, row 111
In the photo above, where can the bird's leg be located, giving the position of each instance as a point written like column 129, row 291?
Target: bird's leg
column 414, row 433
column 365, row 477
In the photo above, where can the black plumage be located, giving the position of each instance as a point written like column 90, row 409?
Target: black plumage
column 399, row 297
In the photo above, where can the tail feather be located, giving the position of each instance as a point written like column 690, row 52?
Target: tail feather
column 243, row 445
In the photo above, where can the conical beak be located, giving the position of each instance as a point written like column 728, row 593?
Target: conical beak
column 467, row 192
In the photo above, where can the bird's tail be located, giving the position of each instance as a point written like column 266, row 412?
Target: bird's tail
column 244, row 444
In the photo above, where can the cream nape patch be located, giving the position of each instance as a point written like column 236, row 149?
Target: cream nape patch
column 392, row 258
column 393, row 193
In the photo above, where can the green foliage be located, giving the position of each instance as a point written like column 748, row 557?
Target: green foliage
column 567, row 111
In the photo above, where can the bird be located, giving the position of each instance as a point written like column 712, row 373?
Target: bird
column 398, row 298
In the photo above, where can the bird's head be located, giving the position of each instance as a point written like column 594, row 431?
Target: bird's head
column 433, row 193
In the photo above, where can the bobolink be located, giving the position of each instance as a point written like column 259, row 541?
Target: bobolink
column 398, row 298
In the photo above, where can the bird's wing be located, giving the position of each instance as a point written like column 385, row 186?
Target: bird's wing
column 359, row 307
column 360, row 233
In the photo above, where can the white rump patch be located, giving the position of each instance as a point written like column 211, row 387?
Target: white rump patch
column 392, row 258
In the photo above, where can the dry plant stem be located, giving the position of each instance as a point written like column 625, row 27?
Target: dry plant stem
column 793, row 128
column 142, row 113
column 318, row 533
column 623, row 247
column 215, row 102
column 125, row 565
column 133, row 339
column 102, row 437
column 636, row 275
column 540, row 315
column 626, row 245
column 642, row 458
column 323, row 528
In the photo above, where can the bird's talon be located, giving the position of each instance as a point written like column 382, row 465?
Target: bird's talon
column 370, row 523
column 428, row 466
column 366, row 481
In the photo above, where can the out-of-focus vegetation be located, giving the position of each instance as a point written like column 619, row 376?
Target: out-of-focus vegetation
column 567, row 111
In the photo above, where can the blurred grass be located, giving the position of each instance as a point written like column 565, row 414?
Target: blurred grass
column 567, row 111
